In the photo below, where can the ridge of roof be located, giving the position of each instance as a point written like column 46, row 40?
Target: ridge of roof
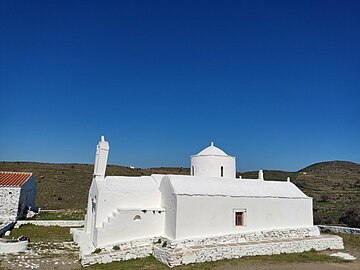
column 228, row 187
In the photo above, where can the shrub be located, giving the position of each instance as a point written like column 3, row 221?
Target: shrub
column 351, row 217
column 325, row 198
column 98, row 250
column 116, row 247
column 320, row 219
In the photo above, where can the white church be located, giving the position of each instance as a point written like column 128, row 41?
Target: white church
column 206, row 216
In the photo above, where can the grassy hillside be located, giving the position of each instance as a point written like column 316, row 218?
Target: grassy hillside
column 335, row 186
column 66, row 186
column 336, row 165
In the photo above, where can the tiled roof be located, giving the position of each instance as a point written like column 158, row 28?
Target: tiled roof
column 13, row 179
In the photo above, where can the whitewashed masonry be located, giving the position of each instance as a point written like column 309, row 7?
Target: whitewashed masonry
column 172, row 214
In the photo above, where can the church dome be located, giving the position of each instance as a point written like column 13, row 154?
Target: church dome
column 213, row 162
column 212, row 151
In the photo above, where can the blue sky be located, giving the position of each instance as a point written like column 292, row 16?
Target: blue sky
column 274, row 83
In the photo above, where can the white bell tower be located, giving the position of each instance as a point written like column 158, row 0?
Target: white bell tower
column 102, row 151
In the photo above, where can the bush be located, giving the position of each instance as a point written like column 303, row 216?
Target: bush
column 351, row 217
column 325, row 198
column 98, row 250
column 321, row 219
column 116, row 247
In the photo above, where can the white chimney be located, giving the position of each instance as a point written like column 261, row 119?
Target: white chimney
column 102, row 151
column 261, row 175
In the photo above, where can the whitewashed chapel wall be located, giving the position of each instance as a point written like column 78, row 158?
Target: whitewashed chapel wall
column 203, row 216
column 130, row 225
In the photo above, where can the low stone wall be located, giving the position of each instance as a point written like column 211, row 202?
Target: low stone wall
column 339, row 229
column 173, row 253
column 61, row 223
column 267, row 235
column 107, row 257
column 197, row 254
column 12, row 247
column 123, row 251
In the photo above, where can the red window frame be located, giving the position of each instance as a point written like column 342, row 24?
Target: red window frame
column 239, row 218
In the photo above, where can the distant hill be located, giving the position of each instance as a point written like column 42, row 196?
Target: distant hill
column 333, row 166
column 334, row 185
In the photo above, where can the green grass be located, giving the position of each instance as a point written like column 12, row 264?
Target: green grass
column 304, row 257
column 351, row 241
column 145, row 263
column 151, row 263
column 61, row 215
column 42, row 233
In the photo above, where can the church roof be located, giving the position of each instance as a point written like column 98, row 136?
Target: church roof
column 128, row 184
column 13, row 179
column 212, row 151
column 227, row 187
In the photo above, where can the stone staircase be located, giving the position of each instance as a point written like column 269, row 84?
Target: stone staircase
column 110, row 218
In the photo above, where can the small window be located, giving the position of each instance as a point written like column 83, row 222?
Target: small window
column 222, row 171
column 192, row 170
column 137, row 218
column 239, row 218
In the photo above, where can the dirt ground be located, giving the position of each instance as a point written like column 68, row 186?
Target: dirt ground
column 43, row 255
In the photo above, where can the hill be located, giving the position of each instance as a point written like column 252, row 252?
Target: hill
column 66, row 186
column 336, row 165
column 334, row 186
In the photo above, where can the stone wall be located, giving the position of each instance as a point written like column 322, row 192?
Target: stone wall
column 123, row 251
column 9, row 203
column 173, row 253
column 60, row 223
column 13, row 247
column 339, row 229
column 243, row 237
column 197, row 254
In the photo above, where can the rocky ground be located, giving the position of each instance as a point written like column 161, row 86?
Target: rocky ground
column 43, row 255
column 64, row 255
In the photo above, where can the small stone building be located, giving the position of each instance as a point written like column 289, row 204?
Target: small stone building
column 17, row 195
